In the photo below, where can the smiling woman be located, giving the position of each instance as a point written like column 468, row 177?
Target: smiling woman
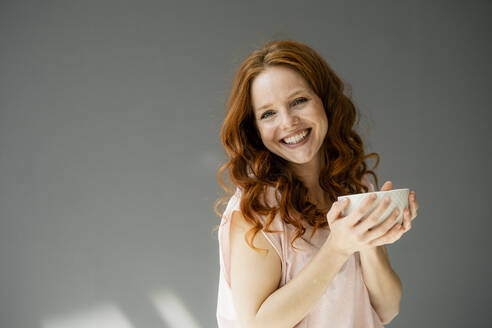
column 295, row 129
column 288, row 133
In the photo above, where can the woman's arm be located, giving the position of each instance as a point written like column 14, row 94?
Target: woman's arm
column 255, row 277
column 383, row 284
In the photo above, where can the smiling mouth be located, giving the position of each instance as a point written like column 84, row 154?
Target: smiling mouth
column 297, row 139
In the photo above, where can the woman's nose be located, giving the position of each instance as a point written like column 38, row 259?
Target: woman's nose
column 289, row 120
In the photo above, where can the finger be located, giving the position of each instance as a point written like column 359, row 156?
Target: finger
column 407, row 225
column 372, row 219
column 335, row 211
column 389, row 237
column 388, row 185
column 383, row 228
column 363, row 209
column 413, row 204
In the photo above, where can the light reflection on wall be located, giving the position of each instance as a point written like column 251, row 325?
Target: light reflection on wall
column 172, row 310
column 102, row 316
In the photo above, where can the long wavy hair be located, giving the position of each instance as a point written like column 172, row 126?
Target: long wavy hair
column 253, row 168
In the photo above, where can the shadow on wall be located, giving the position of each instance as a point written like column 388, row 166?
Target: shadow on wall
column 170, row 308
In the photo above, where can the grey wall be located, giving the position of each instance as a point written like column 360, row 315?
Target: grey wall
column 109, row 148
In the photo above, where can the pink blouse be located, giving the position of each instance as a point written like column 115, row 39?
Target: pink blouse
column 346, row 301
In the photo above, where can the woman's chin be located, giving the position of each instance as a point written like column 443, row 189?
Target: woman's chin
column 298, row 161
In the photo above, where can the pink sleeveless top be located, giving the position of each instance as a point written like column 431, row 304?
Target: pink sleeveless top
column 346, row 301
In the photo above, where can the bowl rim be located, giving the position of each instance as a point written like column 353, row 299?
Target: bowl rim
column 376, row 192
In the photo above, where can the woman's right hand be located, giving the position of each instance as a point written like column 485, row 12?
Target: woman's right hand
column 350, row 234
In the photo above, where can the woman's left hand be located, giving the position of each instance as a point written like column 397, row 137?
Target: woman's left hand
column 410, row 212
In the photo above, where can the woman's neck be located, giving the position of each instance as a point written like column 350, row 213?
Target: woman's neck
column 308, row 173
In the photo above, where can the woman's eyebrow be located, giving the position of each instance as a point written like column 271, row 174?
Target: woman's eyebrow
column 291, row 95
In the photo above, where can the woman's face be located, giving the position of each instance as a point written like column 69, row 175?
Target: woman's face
column 289, row 116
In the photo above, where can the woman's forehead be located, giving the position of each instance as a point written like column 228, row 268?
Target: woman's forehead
column 276, row 84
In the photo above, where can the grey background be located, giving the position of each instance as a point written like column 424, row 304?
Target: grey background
column 109, row 148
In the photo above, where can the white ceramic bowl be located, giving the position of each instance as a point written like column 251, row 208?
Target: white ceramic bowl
column 399, row 200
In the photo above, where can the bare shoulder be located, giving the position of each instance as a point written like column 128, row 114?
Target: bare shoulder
column 239, row 228
column 254, row 274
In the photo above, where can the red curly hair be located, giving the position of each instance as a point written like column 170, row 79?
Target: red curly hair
column 253, row 168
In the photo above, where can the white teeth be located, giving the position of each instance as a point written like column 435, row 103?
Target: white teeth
column 297, row 138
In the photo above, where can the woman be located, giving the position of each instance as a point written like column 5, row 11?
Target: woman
column 288, row 257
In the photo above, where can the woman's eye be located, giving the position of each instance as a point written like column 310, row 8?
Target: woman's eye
column 265, row 115
column 294, row 103
column 299, row 101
